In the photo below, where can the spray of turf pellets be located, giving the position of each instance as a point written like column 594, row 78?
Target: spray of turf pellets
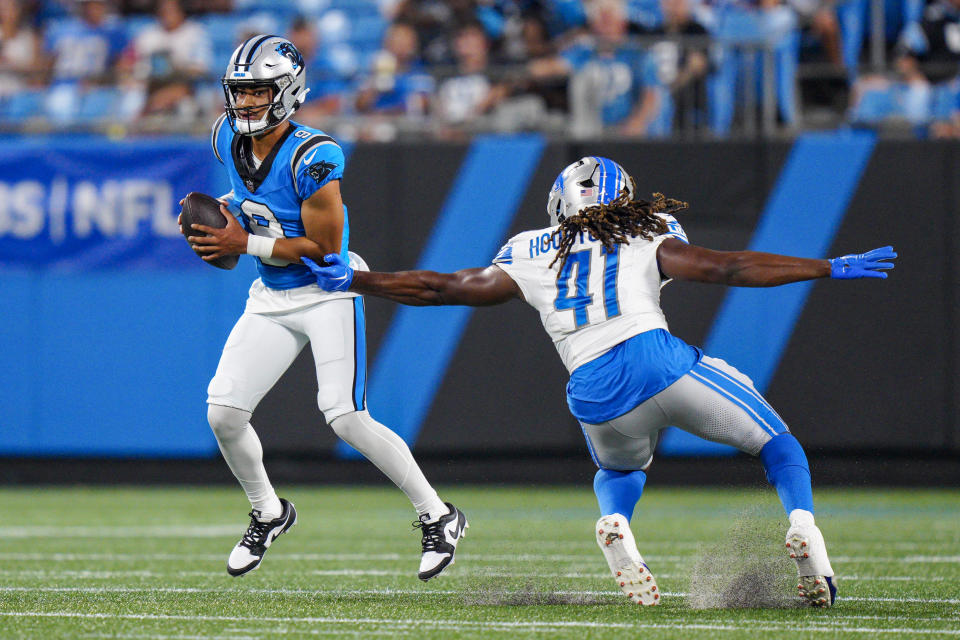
column 745, row 568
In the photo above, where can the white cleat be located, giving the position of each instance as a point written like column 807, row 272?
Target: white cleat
column 805, row 546
column 629, row 570
column 248, row 553
column 440, row 541
column 817, row 591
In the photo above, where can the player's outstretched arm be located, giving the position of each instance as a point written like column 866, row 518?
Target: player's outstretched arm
column 755, row 269
column 477, row 287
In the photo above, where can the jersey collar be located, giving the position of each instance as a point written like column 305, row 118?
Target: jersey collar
column 241, row 151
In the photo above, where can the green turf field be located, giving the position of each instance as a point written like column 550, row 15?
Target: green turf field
column 150, row 563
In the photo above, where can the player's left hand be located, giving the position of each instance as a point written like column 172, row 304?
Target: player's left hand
column 334, row 275
column 228, row 241
column 863, row 265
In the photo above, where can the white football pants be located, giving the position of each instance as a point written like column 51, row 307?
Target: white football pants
column 260, row 348
column 713, row 401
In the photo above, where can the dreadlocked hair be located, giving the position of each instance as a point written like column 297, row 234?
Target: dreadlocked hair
column 616, row 222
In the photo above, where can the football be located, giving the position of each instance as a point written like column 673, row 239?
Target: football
column 199, row 208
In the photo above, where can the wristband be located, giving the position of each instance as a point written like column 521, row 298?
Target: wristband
column 260, row 246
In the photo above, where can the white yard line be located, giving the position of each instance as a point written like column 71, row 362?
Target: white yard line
column 496, row 625
column 475, row 558
column 463, row 571
column 230, row 530
column 181, row 531
column 422, row 592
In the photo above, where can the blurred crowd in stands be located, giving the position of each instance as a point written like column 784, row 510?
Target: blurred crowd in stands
column 388, row 69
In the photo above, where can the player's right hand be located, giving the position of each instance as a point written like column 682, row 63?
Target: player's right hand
column 334, row 275
column 863, row 265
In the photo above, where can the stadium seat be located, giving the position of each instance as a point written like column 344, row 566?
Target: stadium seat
column 645, row 13
column 311, row 8
column 914, row 101
column 251, row 6
column 355, row 6
column 264, row 21
column 367, row 31
column 944, row 101
column 222, row 29
column 343, row 59
column 334, row 26
column 22, row 104
column 874, row 106
column 98, row 104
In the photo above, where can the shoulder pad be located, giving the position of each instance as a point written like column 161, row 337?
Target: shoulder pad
column 215, row 135
column 306, row 150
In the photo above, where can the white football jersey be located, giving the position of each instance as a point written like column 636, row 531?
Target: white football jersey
column 597, row 299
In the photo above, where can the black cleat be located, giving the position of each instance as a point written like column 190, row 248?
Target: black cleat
column 249, row 552
column 440, row 540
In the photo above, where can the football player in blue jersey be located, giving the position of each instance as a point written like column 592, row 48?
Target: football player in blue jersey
column 285, row 204
column 595, row 276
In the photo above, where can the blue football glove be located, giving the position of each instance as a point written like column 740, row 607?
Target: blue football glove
column 862, row 265
column 334, row 275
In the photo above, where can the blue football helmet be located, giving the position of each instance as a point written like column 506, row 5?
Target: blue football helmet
column 589, row 181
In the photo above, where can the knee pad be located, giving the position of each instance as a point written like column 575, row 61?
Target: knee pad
column 612, row 450
column 227, row 422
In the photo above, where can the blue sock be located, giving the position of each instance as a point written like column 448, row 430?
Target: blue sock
column 788, row 472
column 618, row 491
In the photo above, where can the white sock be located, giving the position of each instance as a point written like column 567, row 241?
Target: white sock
column 434, row 511
column 243, row 453
column 801, row 518
column 390, row 454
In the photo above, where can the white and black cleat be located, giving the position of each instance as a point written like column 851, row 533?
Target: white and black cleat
column 440, row 540
column 629, row 570
column 815, row 584
column 817, row 591
column 249, row 552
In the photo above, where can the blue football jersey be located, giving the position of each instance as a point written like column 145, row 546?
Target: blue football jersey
column 266, row 200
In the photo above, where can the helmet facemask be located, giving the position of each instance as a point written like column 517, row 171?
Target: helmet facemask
column 273, row 112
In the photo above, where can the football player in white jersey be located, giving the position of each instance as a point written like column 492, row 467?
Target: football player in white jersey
column 595, row 276
column 284, row 204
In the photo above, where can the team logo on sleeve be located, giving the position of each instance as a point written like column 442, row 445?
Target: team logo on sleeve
column 320, row 170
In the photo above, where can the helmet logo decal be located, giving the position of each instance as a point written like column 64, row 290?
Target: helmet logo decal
column 288, row 50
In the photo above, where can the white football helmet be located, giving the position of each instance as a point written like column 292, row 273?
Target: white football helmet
column 589, row 181
column 264, row 61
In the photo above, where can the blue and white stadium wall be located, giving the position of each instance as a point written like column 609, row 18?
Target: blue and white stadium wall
column 111, row 327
